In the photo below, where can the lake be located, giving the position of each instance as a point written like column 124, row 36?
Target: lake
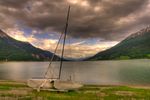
column 131, row 72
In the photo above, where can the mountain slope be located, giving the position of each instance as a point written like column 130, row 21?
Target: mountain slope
column 14, row 50
column 135, row 46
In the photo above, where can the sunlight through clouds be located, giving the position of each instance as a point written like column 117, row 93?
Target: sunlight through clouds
column 19, row 35
column 82, row 3
column 73, row 50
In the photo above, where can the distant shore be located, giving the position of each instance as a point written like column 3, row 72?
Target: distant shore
column 80, row 60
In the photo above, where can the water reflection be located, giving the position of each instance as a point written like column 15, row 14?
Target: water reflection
column 95, row 72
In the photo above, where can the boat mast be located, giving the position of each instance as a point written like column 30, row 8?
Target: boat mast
column 64, row 41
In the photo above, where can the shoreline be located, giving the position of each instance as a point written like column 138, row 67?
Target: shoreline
column 14, row 90
column 95, row 85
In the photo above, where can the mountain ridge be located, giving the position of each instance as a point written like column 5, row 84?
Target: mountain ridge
column 135, row 46
column 15, row 50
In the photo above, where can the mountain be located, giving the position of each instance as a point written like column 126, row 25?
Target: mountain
column 136, row 46
column 14, row 50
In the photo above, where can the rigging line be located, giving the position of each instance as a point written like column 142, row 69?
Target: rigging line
column 70, row 49
column 53, row 55
column 66, row 29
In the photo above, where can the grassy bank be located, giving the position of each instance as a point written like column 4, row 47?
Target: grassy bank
column 20, row 91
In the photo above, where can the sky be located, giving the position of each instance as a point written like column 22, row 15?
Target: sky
column 94, row 25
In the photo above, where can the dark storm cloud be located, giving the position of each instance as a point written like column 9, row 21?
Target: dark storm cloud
column 89, row 18
column 13, row 3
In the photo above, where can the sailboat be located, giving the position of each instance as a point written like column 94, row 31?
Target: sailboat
column 52, row 83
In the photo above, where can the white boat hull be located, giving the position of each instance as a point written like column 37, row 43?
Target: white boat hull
column 67, row 85
column 53, row 84
column 39, row 83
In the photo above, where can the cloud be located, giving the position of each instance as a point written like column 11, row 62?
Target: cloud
column 20, row 35
column 89, row 18
column 81, row 50
column 40, row 22
column 76, row 49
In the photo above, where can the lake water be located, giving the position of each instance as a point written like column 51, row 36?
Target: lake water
column 131, row 72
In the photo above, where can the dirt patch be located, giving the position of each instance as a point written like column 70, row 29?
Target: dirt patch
column 8, row 98
column 18, row 92
column 101, row 94
column 141, row 87
column 12, row 83
column 125, row 93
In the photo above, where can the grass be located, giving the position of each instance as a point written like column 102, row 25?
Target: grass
column 20, row 91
